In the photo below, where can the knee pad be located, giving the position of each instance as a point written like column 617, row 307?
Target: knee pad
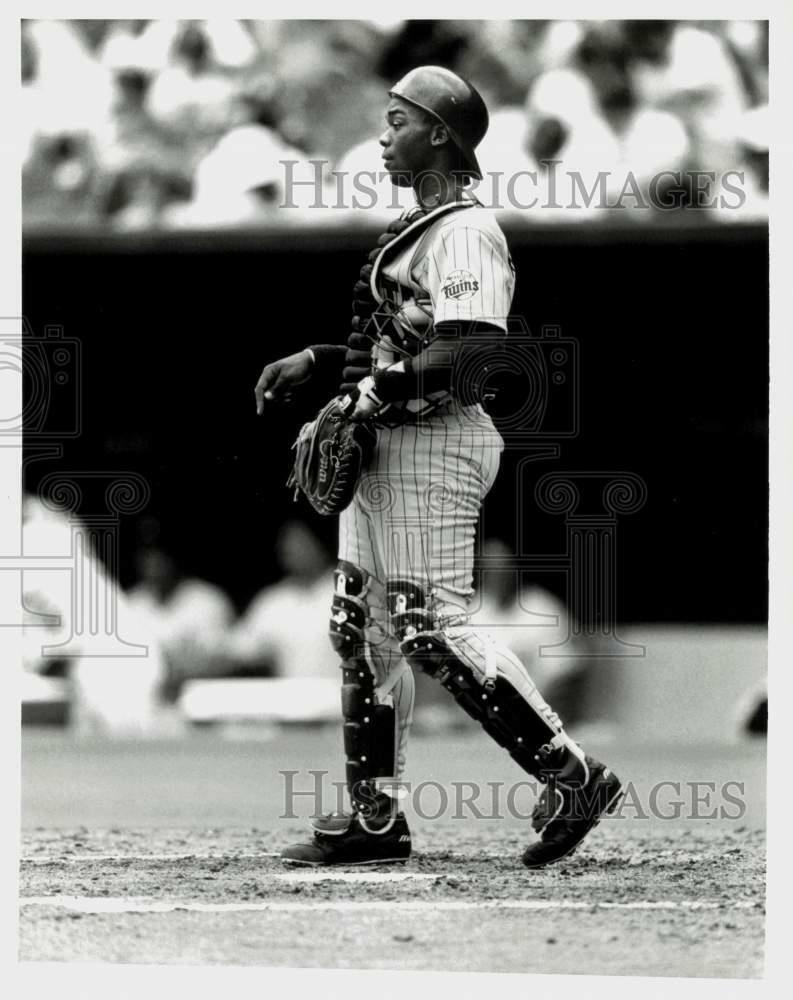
column 408, row 609
column 349, row 612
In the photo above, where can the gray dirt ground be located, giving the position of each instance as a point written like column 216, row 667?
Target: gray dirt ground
column 645, row 896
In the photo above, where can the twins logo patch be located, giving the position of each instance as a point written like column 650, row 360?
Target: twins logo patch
column 460, row 285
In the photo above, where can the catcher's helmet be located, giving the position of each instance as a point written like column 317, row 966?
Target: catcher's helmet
column 453, row 101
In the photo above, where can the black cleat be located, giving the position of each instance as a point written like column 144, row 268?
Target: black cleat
column 565, row 814
column 347, row 840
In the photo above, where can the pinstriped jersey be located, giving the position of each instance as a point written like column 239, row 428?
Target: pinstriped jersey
column 458, row 268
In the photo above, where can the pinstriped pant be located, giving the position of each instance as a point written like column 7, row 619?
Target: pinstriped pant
column 414, row 516
column 417, row 506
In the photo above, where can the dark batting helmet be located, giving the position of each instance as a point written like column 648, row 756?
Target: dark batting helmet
column 454, row 102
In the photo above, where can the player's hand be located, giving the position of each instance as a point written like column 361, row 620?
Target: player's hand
column 280, row 376
column 366, row 399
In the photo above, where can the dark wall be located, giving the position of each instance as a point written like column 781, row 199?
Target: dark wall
column 672, row 330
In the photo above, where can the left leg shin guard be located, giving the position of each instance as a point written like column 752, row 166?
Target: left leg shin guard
column 489, row 683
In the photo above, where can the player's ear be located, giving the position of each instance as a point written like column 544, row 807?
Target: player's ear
column 439, row 135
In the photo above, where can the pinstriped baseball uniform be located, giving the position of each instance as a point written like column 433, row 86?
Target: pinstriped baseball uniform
column 416, row 510
column 433, row 301
column 457, row 269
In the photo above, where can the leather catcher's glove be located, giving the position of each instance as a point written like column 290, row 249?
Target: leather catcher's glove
column 330, row 453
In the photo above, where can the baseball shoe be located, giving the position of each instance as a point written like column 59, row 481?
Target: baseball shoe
column 341, row 839
column 564, row 815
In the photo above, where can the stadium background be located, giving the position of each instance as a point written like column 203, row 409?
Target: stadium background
column 152, row 235
column 673, row 380
column 177, row 317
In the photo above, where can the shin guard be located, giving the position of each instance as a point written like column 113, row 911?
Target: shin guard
column 369, row 728
column 486, row 681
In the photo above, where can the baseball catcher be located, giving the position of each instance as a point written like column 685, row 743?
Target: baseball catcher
column 440, row 280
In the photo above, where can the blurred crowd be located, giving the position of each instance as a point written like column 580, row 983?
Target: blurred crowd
column 173, row 651
column 143, row 670
column 134, row 124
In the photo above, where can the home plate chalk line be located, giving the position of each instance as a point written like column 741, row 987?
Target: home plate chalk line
column 132, row 904
column 59, row 859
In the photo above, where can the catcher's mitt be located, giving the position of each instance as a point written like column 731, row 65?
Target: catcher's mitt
column 330, row 451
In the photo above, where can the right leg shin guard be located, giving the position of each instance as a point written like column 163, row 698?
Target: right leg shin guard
column 370, row 734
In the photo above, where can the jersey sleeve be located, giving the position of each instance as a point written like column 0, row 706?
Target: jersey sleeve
column 470, row 276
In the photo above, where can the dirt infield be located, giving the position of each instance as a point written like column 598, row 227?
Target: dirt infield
column 642, row 897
